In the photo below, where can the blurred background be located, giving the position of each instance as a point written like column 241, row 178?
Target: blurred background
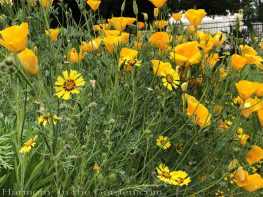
column 244, row 16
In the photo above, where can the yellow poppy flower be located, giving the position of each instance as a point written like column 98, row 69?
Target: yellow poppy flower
column 29, row 61
column 126, row 52
column 251, row 55
column 52, row 33
column 14, row 38
column 92, row 45
column 246, row 88
column 159, row 67
column 238, row 62
column 94, row 4
column 259, row 91
column 212, row 59
column 160, row 39
column 28, row 145
column 203, row 36
column 190, row 28
column 186, row 54
column 218, row 39
column 240, row 177
column 130, row 20
column 251, row 105
column 112, row 32
column 254, row 155
column 248, row 182
column 124, row 37
column 100, row 27
column 254, row 182
column 195, row 16
column 177, row 16
column 111, row 43
column 74, row 56
column 46, row 3
column 68, row 84
column 247, row 50
column 158, row 3
column 120, row 23
column 199, row 113
column 206, row 46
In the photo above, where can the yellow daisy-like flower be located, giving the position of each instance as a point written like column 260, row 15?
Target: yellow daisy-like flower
column 129, row 63
column 219, row 193
column 171, row 79
column 180, row 178
column 163, row 142
column 179, row 147
column 46, row 118
column 68, row 84
column 28, row 145
column 163, row 173
column 96, row 168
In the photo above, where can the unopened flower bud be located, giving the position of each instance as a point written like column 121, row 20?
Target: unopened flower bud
column 112, row 121
column 9, row 60
column 145, row 16
column 147, row 132
column 92, row 105
column 12, row 69
column 184, row 86
column 92, row 83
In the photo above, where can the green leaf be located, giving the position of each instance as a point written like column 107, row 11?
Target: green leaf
column 2, row 179
column 35, row 173
column 41, row 183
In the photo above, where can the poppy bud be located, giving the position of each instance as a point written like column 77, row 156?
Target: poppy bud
column 9, row 60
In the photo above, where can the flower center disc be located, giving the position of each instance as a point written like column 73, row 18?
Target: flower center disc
column 132, row 62
column 166, row 175
column 163, row 142
column 180, row 180
column 169, row 78
column 69, row 85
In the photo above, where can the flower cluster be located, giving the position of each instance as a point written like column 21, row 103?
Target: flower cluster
column 177, row 178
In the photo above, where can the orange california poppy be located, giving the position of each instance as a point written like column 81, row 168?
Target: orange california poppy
column 254, row 155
